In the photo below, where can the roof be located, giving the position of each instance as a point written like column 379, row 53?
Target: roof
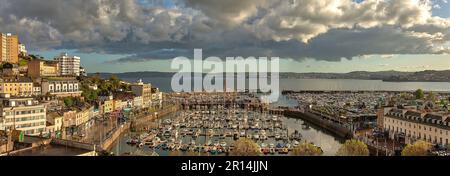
column 433, row 116
column 123, row 95
column 54, row 115
column 396, row 111
column 61, row 78
column 413, row 113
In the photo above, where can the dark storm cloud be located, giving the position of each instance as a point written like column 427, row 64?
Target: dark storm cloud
column 297, row 29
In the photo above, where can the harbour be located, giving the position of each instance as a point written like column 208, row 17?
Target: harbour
column 211, row 132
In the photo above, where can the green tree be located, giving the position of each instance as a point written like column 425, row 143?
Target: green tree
column 443, row 103
column 245, row 147
column 23, row 62
column 419, row 94
column 431, row 97
column 69, row 102
column 419, row 148
column 96, row 79
column 353, row 148
column 307, row 149
column 115, row 82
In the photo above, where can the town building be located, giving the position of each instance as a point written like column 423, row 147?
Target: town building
column 93, row 86
column 55, row 124
column 24, row 114
column 123, row 100
column 10, row 70
column 83, row 71
column 43, row 68
column 107, row 106
column 17, row 86
column 61, row 86
column 23, row 50
column 143, row 90
column 157, row 97
column 68, row 65
column 9, row 48
column 138, row 102
column 37, row 89
column 117, row 105
column 106, row 102
column 69, row 123
column 412, row 125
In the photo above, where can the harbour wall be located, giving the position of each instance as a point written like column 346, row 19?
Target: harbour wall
column 108, row 142
column 17, row 151
column 74, row 144
column 322, row 123
column 6, row 147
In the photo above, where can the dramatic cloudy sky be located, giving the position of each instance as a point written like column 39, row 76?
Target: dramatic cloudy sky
column 310, row 35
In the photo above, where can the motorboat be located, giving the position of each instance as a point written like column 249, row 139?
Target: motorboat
column 256, row 136
column 295, row 143
column 296, row 136
column 277, row 136
column 133, row 141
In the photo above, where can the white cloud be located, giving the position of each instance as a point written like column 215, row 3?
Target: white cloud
column 325, row 30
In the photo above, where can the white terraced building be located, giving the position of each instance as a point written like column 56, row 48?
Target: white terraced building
column 69, row 65
column 416, row 125
column 25, row 114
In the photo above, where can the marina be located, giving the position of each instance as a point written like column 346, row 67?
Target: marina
column 213, row 132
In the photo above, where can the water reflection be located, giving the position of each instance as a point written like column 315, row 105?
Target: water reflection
column 310, row 133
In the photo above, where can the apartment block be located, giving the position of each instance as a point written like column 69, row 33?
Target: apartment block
column 9, row 48
column 17, row 86
column 24, row 114
column 68, row 65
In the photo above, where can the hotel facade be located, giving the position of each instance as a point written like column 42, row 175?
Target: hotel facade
column 61, row 87
column 415, row 125
column 17, row 86
column 24, row 114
